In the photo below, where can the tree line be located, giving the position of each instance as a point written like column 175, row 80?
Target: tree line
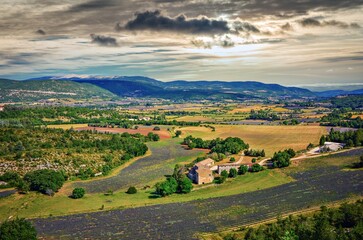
column 350, row 138
column 343, row 223
column 230, row 145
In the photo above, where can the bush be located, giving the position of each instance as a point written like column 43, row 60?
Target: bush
column 232, row 173
column 167, row 187
column 242, row 169
column 18, row 229
column 256, row 168
column 45, row 180
column 78, row 193
column 131, row 190
column 185, row 185
column 11, row 178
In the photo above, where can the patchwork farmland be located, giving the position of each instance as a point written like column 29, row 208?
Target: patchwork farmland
column 313, row 187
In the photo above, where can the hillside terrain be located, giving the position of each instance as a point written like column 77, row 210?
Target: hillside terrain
column 138, row 86
column 27, row 91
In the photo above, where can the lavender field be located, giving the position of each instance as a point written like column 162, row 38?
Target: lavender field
column 184, row 220
column 145, row 170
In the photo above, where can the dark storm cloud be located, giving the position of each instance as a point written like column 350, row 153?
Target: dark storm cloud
column 310, row 22
column 104, row 40
column 245, row 27
column 313, row 22
column 40, row 32
column 153, row 20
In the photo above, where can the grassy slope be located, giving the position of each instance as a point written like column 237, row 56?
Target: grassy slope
column 38, row 205
column 270, row 138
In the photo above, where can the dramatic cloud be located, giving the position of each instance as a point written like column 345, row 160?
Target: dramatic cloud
column 240, row 26
column 312, row 22
column 155, row 21
column 104, row 40
column 40, row 32
column 287, row 27
column 199, row 43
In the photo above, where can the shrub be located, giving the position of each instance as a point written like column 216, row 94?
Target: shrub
column 11, row 178
column 19, row 229
column 256, row 168
column 78, row 193
column 232, row 173
column 131, row 190
column 242, row 169
column 45, row 180
column 185, row 185
column 167, row 187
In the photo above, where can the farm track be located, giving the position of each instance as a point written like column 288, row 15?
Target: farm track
column 142, row 171
column 184, row 220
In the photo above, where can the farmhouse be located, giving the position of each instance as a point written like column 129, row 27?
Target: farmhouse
column 331, row 147
column 202, row 173
column 227, row 167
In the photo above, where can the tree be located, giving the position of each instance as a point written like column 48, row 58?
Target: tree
column 185, row 185
column 11, row 178
column 224, row 176
column 256, row 168
column 78, row 193
column 45, row 180
column 23, row 187
column 232, row 159
column 178, row 133
column 242, row 169
column 191, row 145
column 232, row 173
column 310, row 146
column 167, row 187
column 322, row 140
column 17, row 229
column 156, row 128
column 131, row 190
column 178, row 173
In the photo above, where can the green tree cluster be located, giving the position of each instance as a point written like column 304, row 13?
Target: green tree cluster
column 255, row 153
column 45, row 181
column 343, row 223
column 177, row 183
column 17, row 229
column 230, row 145
column 282, row 159
column 350, row 138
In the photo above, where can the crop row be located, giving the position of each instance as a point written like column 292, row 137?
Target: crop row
column 184, row 220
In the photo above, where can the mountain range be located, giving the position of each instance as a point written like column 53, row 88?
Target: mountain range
column 85, row 87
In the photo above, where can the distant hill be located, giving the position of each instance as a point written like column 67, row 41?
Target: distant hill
column 334, row 93
column 138, row 86
column 24, row 91
column 85, row 87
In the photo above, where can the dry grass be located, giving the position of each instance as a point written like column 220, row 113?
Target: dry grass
column 270, row 138
column 195, row 119
column 67, row 126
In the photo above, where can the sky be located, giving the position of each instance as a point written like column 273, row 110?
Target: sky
column 317, row 43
